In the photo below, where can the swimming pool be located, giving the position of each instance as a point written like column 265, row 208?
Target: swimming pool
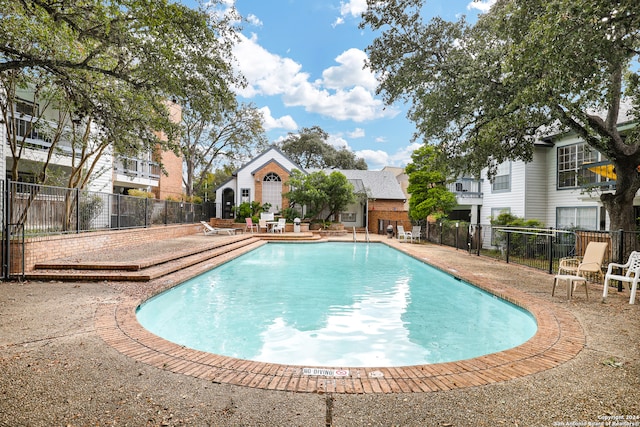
column 335, row 304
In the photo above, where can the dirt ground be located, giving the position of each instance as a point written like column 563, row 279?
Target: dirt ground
column 57, row 371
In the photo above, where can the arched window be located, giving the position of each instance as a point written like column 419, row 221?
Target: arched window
column 272, row 177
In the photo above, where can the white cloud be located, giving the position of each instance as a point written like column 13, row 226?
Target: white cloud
column 338, row 21
column 254, row 20
column 284, row 122
column 338, row 142
column 345, row 92
column 350, row 72
column 482, row 5
column 376, row 159
column 381, row 139
column 355, row 8
column 356, row 133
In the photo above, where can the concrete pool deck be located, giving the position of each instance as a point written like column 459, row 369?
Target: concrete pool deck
column 582, row 364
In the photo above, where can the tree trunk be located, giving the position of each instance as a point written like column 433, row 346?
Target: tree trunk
column 619, row 206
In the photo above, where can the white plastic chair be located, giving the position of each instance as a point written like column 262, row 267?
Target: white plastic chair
column 279, row 227
column 415, row 232
column 631, row 275
column 404, row 234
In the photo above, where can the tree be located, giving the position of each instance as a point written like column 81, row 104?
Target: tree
column 346, row 159
column 309, row 149
column 319, row 192
column 486, row 92
column 230, row 133
column 114, row 65
column 427, row 179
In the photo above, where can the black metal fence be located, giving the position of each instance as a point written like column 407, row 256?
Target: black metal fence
column 534, row 247
column 42, row 210
column 30, row 210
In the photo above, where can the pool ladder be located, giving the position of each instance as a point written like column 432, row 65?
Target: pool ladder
column 366, row 235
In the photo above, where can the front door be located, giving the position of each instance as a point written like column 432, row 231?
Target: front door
column 228, row 198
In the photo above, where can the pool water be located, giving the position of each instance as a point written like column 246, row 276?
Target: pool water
column 335, row 304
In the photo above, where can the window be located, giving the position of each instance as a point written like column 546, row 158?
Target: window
column 271, row 177
column 244, row 195
column 28, row 108
column 502, row 180
column 577, row 218
column 348, row 216
column 571, row 174
column 272, row 191
column 495, row 212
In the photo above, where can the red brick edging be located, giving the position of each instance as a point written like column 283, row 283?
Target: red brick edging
column 559, row 339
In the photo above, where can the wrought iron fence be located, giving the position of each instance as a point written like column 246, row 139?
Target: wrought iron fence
column 539, row 248
column 43, row 210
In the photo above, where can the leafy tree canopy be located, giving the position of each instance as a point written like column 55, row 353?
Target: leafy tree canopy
column 309, row 149
column 427, row 179
column 114, row 66
column 486, row 92
column 320, row 193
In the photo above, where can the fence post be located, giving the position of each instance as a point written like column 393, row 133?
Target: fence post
column 7, row 229
column 118, row 211
column 508, row 246
column 478, row 239
column 457, row 232
column 77, row 210
column 146, row 212
column 166, row 212
column 620, row 254
column 550, row 251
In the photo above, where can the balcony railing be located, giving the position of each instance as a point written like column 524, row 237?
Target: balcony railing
column 466, row 188
column 137, row 168
column 30, row 136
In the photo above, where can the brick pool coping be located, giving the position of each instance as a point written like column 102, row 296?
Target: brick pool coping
column 559, row 338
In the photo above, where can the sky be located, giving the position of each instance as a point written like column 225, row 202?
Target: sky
column 303, row 61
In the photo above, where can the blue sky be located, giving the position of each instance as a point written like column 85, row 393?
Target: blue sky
column 303, row 60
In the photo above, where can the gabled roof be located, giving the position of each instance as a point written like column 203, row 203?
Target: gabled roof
column 257, row 164
column 378, row 184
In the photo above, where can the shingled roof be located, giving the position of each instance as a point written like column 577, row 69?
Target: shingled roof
column 378, row 184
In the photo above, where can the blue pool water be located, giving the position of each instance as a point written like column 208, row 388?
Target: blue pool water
column 335, row 304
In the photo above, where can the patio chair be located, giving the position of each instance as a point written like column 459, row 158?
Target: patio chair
column 415, row 232
column 250, row 225
column 208, row 229
column 262, row 223
column 279, row 227
column 404, row 234
column 631, row 275
column 589, row 265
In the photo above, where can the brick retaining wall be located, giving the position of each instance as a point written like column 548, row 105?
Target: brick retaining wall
column 47, row 248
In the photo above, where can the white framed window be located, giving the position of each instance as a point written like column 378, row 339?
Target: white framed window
column 245, row 195
column 272, row 191
column 582, row 218
column 348, row 216
column 502, row 180
column 571, row 159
